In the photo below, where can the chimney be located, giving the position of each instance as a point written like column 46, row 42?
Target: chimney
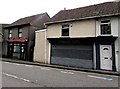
column 64, row 8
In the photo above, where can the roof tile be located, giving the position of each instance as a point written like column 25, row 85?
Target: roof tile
column 36, row 20
column 107, row 8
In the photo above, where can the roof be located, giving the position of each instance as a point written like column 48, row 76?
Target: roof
column 92, row 11
column 35, row 20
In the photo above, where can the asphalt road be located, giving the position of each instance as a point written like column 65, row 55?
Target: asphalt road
column 22, row 75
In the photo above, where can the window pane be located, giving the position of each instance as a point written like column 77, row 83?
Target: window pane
column 10, row 44
column 10, row 35
column 20, row 34
column 109, row 29
column 16, row 48
column 105, row 21
column 22, row 49
column 20, row 30
column 10, row 31
column 65, row 32
column 105, row 29
column 65, row 26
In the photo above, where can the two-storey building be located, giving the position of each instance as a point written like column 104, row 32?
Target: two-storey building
column 86, row 37
column 1, row 37
column 19, row 36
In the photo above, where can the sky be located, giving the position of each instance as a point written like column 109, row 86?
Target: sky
column 12, row 10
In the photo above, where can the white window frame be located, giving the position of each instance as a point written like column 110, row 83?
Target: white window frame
column 10, row 33
column 107, row 23
column 65, row 28
column 20, row 32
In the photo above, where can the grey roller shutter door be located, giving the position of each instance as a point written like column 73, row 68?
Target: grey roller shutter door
column 72, row 55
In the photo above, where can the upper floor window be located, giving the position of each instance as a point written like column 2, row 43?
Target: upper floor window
column 20, row 32
column 10, row 33
column 65, row 30
column 105, row 27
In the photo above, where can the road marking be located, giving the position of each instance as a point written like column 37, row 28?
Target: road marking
column 106, row 75
column 43, row 68
column 13, row 76
column 66, row 72
column 110, row 79
column 58, row 69
column 29, row 65
column 37, row 66
column 26, row 80
column 18, row 64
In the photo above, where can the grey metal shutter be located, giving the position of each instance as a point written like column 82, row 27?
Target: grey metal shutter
column 72, row 55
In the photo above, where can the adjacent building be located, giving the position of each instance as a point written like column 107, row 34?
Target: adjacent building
column 19, row 37
column 86, row 37
column 1, row 37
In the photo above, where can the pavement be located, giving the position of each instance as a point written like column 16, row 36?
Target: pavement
column 60, row 67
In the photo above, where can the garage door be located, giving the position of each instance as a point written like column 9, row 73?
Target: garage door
column 72, row 55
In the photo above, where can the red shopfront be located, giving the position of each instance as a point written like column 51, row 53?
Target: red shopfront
column 17, row 48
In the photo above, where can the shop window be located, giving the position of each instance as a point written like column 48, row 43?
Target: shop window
column 10, row 33
column 105, row 27
column 20, row 32
column 65, row 30
column 22, row 49
column 16, row 48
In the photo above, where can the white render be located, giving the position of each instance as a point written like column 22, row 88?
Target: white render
column 117, row 47
column 78, row 29
column 39, row 49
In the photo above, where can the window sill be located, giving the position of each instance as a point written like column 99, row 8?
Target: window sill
column 65, row 37
column 106, row 35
